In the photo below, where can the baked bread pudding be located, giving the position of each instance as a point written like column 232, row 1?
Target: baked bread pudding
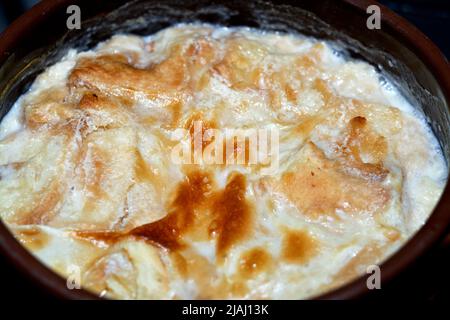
column 89, row 180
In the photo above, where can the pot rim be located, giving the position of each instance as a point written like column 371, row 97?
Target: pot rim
column 428, row 235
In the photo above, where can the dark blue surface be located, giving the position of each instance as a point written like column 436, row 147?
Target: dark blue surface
column 11, row 9
column 431, row 17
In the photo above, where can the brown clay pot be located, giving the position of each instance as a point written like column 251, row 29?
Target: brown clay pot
column 40, row 37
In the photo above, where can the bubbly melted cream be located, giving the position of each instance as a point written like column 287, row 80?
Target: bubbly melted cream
column 87, row 180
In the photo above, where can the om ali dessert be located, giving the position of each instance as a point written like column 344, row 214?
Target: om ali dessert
column 89, row 182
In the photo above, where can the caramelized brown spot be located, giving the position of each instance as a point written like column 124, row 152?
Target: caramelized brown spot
column 201, row 54
column 12, row 165
column 233, row 215
column 200, row 51
column 253, row 262
column 194, row 122
column 98, row 101
column 109, row 237
column 240, row 65
column 291, row 95
column 175, row 108
column 184, row 215
column 298, row 246
column 166, row 232
column 305, row 62
column 363, row 142
column 33, row 238
column 321, row 86
column 94, row 176
column 113, row 73
column 143, row 172
column 392, row 234
column 239, row 153
column 180, row 263
column 169, row 231
column 45, row 208
column 319, row 186
column 90, row 100
column 48, row 109
column 307, row 124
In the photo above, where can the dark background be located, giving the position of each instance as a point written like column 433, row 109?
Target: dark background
column 427, row 279
column 430, row 16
